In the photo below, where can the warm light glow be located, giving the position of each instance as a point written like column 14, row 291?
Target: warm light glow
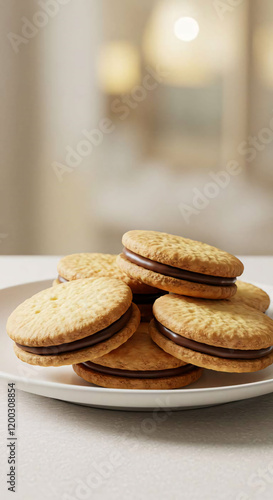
column 186, row 29
column 119, row 67
column 188, row 64
column 184, row 64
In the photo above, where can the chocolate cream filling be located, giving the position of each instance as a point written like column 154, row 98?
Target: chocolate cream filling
column 171, row 372
column 174, row 272
column 220, row 352
column 89, row 341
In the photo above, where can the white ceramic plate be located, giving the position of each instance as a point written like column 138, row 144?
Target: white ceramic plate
column 62, row 383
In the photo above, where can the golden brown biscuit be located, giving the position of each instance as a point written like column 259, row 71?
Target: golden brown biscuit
column 179, row 265
column 87, row 265
column 144, row 302
column 138, row 364
column 90, row 265
column 175, row 285
column 72, row 322
column 219, row 335
column 139, row 353
column 251, row 295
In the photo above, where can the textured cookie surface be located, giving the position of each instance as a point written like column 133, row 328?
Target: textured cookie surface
column 174, row 285
column 183, row 253
column 207, row 361
column 69, row 311
column 87, row 354
column 88, row 265
column 217, row 323
column 139, row 353
column 127, row 383
column 251, row 295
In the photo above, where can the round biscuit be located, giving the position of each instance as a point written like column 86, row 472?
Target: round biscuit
column 174, row 285
column 89, row 265
column 214, row 322
column 139, row 353
column 87, row 354
column 69, row 311
column 183, row 253
column 115, row 382
column 207, row 361
column 251, row 295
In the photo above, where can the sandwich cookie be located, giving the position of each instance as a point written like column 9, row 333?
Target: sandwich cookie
column 219, row 335
column 179, row 265
column 251, row 295
column 73, row 322
column 138, row 364
column 88, row 265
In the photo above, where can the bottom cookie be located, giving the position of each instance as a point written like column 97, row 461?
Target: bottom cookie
column 188, row 375
column 138, row 364
column 206, row 360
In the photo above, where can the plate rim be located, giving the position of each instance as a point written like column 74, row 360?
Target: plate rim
column 59, row 385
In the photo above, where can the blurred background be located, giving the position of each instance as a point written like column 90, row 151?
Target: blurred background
column 147, row 114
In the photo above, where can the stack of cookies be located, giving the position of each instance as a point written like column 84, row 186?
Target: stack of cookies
column 151, row 318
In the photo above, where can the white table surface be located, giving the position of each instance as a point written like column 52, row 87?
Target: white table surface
column 64, row 450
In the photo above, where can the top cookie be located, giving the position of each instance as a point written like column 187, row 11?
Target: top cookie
column 179, row 265
column 88, row 265
column 139, row 353
column 69, row 312
column 251, row 295
column 182, row 253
